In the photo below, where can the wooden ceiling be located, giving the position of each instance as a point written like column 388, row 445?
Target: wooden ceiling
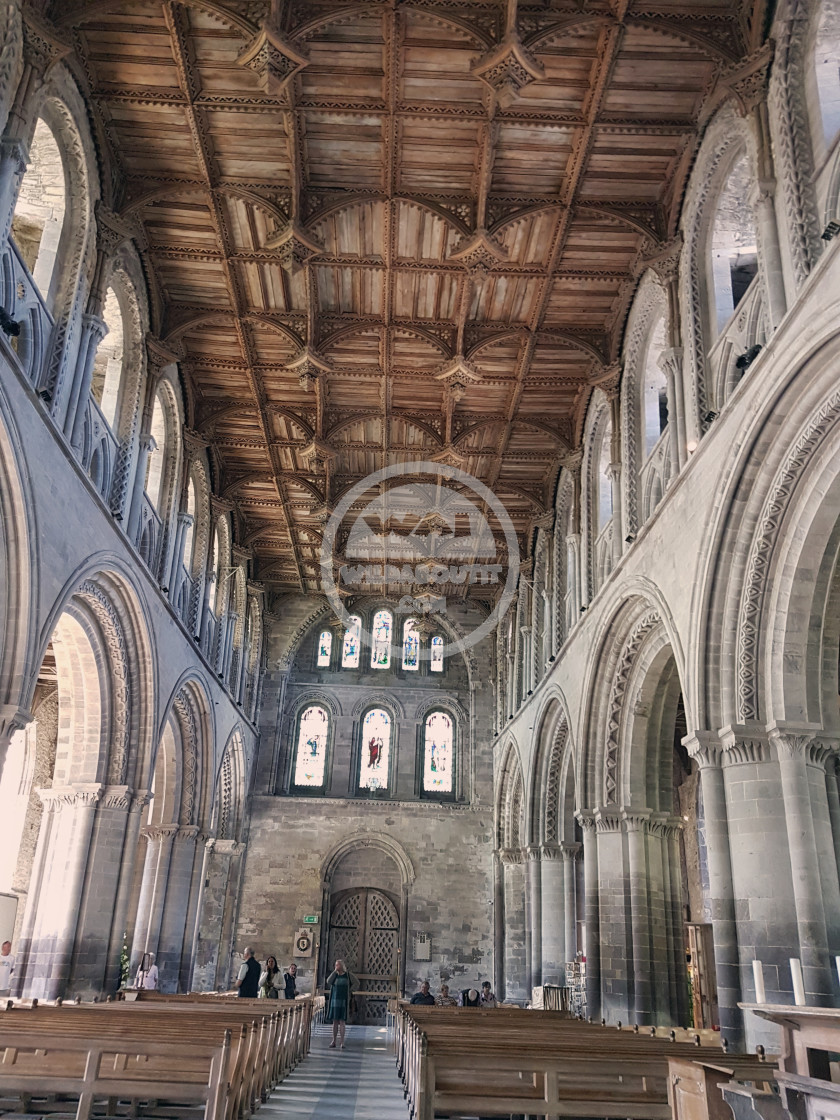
column 382, row 232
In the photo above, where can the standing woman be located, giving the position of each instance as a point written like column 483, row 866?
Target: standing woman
column 338, row 1005
column 269, row 978
column 290, row 982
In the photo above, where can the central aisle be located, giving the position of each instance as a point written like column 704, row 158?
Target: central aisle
column 358, row 1082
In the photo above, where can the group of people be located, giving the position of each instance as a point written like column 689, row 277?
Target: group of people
column 265, row 981
column 470, row 997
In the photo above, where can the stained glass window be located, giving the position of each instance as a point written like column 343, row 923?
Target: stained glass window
column 311, row 756
column 324, row 648
column 438, row 754
column 380, row 654
column 436, row 659
column 352, row 643
column 376, row 750
column 411, row 645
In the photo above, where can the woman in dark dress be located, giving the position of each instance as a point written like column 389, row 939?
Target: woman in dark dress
column 338, row 1003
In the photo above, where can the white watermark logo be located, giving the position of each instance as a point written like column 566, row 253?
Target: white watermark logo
column 424, row 531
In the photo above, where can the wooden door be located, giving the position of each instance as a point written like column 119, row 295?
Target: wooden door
column 364, row 933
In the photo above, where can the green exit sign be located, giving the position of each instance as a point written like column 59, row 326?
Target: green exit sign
column 311, row 919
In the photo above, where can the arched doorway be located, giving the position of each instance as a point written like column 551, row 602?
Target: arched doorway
column 364, row 933
column 366, row 883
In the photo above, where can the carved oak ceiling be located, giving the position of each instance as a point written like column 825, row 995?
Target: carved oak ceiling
column 384, row 232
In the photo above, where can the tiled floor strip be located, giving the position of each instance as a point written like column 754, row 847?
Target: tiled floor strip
column 359, row 1082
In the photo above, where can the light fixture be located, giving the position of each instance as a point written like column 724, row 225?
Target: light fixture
column 691, row 446
column 830, row 231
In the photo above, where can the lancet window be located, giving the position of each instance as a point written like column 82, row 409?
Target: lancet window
column 312, row 741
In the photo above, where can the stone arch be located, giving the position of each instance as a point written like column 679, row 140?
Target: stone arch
column 510, row 823
column 190, row 714
column 229, row 809
column 650, row 308
column 597, row 541
column 726, row 141
column 62, row 107
column 565, row 609
column 360, row 840
column 764, row 591
column 18, row 576
column 100, row 619
column 792, row 136
column 546, row 823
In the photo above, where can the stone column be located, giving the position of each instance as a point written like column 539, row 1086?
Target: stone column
column 612, row 916
column 670, row 362
column 212, row 967
column 153, row 889
column 592, row 947
column 553, row 931
column 40, row 866
column 527, row 655
column 498, row 922
column 516, row 959
column 58, row 900
column 196, row 893
column 679, row 1008
column 185, row 520
column 173, row 924
column 113, row 973
column 833, row 798
column 533, row 886
column 571, row 859
column 706, row 750
column 93, row 331
column 635, row 825
column 797, row 751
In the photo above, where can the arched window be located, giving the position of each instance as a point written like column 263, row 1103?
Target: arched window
column 436, row 657
column 654, row 389
column 604, row 482
column 827, row 71
column 41, row 207
column 189, row 535
column 108, row 363
column 312, row 741
column 325, row 640
column 375, row 757
column 734, row 260
column 380, row 653
column 157, row 456
column 411, row 645
column 352, row 643
column 438, row 753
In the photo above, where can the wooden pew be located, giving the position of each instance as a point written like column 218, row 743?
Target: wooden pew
column 267, row 1039
column 537, row 1063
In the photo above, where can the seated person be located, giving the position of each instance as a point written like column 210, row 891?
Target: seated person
column 445, row 999
column 488, row 999
column 470, row 998
column 424, row 995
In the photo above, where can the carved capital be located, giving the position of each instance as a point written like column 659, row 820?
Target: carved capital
column 510, row 856
column 606, row 821
column 85, row 794
column 533, row 854
column 571, row 852
column 551, row 852
column 670, row 362
column 744, row 743
column 187, row 832
column 117, row 797
column 806, row 743
column 705, row 748
column 586, row 820
column 159, row 833
column 664, row 825
column 635, row 819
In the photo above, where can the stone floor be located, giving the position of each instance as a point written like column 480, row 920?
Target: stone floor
column 359, row 1082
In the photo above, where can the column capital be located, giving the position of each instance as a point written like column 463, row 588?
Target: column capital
column 586, row 819
column 187, row 832
column 509, row 856
column 744, row 742
column 664, row 824
column 635, row 820
column 533, row 853
column 82, row 793
column 790, row 740
column 186, row 519
column 607, row 820
column 159, row 832
column 551, row 852
column 13, row 718
column 571, row 852
column 117, row 797
column 705, row 748
column 222, row 847
column 140, row 801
